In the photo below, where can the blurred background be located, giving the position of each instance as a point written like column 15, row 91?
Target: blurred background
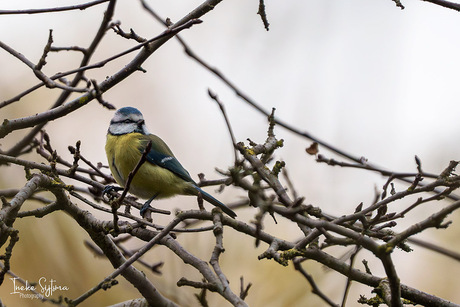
column 372, row 79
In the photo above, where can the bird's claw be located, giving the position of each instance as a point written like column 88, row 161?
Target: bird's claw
column 144, row 208
column 147, row 205
column 109, row 188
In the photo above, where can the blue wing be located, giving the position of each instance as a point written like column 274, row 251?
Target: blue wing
column 162, row 156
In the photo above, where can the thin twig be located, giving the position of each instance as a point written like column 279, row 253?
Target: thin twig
column 53, row 9
column 79, row 76
column 39, row 120
column 314, row 287
column 348, row 283
column 134, row 171
column 227, row 121
column 446, row 4
column 436, row 248
column 263, row 14
column 130, row 260
column 40, row 75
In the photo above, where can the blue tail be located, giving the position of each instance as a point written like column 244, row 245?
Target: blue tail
column 216, row 203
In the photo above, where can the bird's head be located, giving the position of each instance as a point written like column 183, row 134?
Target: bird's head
column 127, row 120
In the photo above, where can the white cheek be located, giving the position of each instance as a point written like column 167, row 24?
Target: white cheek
column 119, row 129
column 146, row 131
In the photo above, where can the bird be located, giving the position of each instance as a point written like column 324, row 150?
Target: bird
column 161, row 175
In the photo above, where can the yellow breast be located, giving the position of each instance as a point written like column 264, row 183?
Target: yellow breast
column 123, row 154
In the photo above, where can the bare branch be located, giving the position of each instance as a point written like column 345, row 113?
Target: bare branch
column 227, row 121
column 311, row 281
column 59, row 111
column 53, row 9
column 375, row 226
column 263, row 14
column 447, row 4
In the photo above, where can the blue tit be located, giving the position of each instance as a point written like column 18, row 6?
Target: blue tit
column 161, row 175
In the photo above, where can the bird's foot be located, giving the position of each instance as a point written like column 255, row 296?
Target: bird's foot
column 109, row 188
column 144, row 208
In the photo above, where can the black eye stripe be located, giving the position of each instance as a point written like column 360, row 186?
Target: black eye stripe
column 121, row 121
